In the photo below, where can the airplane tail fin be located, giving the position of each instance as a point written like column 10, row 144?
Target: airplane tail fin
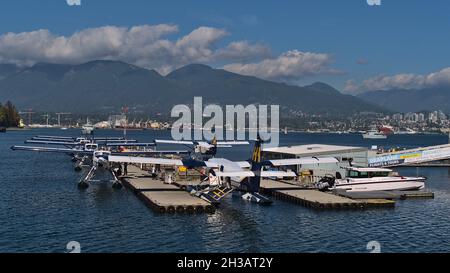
column 214, row 148
column 254, row 183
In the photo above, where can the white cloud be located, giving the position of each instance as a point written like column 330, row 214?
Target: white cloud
column 289, row 66
column 400, row 81
column 243, row 51
column 73, row 2
column 145, row 45
column 154, row 47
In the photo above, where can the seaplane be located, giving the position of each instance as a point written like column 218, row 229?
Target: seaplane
column 79, row 141
column 205, row 149
column 96, row 157
column 114, row 144
column 67, row 138
column 225, row 176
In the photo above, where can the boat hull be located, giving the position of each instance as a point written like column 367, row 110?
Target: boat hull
column 374, row 136
column 405, row 184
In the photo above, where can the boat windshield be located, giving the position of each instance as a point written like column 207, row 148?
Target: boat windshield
column 359, row 174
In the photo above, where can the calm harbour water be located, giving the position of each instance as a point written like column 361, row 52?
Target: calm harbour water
column 41, row 210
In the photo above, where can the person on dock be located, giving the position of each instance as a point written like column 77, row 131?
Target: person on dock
column 154, row 174
column 125, row 168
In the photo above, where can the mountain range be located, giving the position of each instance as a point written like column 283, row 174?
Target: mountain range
column 106, row 86
column 401, row 100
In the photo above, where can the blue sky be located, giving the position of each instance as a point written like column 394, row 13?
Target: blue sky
column 361, row 42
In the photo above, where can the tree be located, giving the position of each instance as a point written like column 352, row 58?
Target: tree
column 2, row 116
column 9, row 117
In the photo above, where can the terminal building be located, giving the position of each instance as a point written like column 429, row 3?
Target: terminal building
column 358, row 156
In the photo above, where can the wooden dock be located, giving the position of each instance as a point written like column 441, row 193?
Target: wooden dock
column 173, row 198
column 161, row 197
column 389, row 195
column 316, row 199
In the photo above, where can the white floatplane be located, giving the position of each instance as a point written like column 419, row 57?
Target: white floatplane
column 96, row 157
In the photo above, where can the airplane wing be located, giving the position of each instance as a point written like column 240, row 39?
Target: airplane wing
column 243, row 164
column 252, row 174
column 50, row 150
column 278, row 174
column 240, row 164
column 145, row 160
column 204, row 144
column 62, row 143
column 111, row 138
column 222, row 144
column 174, row 142
column 300, row 161
column 236, row 174
column 235, row 165
column 112, row 141
column 231, row 143
column 130, row 144
column 152, row 152
column 53, row 137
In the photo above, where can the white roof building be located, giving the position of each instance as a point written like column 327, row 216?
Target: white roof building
column 357, row 155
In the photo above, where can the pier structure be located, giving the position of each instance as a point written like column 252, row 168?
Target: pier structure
column 431, row 156
column 173, row 198
column 312, row 198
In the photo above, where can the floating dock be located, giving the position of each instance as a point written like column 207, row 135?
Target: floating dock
column 318, row 200
column 389, row 195
column 161, row 197
column 173, row 198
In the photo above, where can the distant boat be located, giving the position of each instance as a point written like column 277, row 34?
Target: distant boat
column 88, row 128
column 64, row 128
column 374, row 134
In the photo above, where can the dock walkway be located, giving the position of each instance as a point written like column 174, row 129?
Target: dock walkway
column 163, row 197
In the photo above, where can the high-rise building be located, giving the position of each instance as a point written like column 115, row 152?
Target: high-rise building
column 397, row 117
column 420, row 117
column 433, row 116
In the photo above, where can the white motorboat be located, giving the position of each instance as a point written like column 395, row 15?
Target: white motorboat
column 374, row 134
column 88, row 128
column 373, row 179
